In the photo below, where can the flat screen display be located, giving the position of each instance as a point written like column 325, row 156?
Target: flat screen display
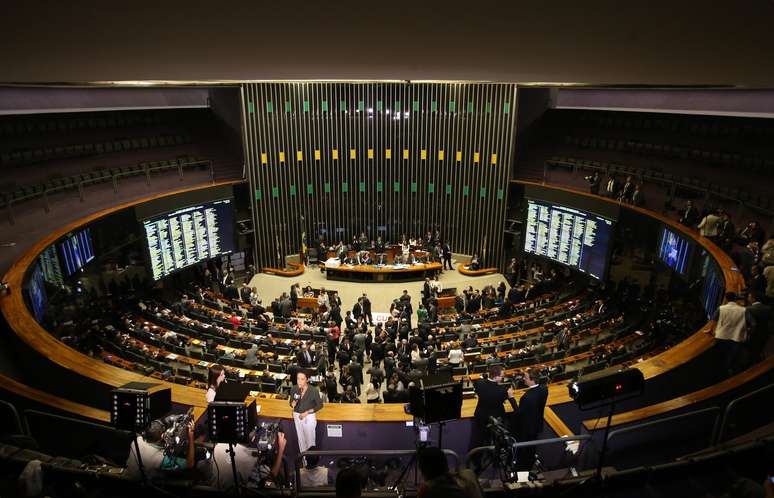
column 189, row 235
column 569, row 235
column 76, row 250
column 36, row 291
column 674, row 250
column 712, row 288
column 49, row 265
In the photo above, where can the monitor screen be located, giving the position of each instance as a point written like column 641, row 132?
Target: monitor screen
column 568, row 235
column 76, row 250
column 674, row 250
column 49, row 264
column 189, row 235
column 36, row 292
column 712, row 288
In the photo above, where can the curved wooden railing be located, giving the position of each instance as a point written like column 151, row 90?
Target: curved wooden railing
column 475, row 273
column 21, row 321
column 298, row 269
column 685, row 400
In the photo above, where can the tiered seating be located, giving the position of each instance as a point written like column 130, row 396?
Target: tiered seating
column 690, row 155
column 43, row 155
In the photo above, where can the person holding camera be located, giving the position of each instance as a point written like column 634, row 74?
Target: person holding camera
column 157, row 460
column 254, row 468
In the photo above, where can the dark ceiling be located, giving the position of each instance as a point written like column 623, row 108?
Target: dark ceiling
column 682, row 42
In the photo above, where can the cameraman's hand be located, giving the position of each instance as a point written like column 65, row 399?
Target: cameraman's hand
column 281, row 441
column 293, row 403
column 302, row 415
column 511, row 393
column 190, row 430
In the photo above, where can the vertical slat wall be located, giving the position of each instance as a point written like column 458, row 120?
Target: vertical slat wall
column 348, row 157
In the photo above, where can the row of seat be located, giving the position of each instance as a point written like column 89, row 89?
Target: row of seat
column 97, row 176
column 751, row 163
column 29, row 155
column 18, row 126
column 750, row 199
column 693, row 125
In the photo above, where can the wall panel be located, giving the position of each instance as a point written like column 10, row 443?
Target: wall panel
column 337, row 159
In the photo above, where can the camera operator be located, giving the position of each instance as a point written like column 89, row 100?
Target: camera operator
column 491, row 396
column 254, row 468
column 157, row 462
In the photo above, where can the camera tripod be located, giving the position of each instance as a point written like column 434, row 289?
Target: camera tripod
column 413, row 460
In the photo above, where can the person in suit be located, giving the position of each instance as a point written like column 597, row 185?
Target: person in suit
column 357, row 310
column 761, row 329
column 244, row 293
column 446, row 253
column 529, row 417
column 594, row 182
column 637, row 199
column 356, row 371
column 689, row 216
column 491, row 396
column 475, row 263
column 295, row 291
column 305, row 357
column 611, row 187
column 426, row 291
column 366, row 305
column 627, row 190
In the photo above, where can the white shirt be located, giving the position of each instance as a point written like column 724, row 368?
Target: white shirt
column 456, row 356
column 731, row 323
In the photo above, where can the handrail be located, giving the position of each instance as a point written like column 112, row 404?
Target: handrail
column 732, row 404
column 521, row 444
column 637, row 427
column 687, row 399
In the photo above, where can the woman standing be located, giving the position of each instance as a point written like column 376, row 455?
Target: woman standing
column 305, row 401
column 216, row 376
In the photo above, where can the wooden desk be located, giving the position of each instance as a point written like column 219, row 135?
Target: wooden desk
column 371, row 273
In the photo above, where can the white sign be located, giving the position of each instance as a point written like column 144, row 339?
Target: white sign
column 334, row 430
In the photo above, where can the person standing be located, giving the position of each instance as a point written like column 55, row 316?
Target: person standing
column 731, row 322
column 306, row 402
column 594, row 182
column 761, row 330
column 529, row 417
column 447, row 255
column 491, row 396
column 366, row 304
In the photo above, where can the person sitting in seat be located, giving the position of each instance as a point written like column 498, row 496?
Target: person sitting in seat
column 475, row 264
column 440, row 482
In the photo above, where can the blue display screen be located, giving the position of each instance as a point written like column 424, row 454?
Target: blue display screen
column 712, row 290
column 36, row 291
column 76, row 250
column 674, row 251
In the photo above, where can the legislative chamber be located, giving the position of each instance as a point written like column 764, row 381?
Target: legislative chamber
column 284, row 272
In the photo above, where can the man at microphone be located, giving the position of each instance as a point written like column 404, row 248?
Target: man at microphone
column 306, row 402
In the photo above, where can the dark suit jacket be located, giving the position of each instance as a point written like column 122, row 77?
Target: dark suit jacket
column 301, row 357
column 529, row 415
column 761, row 314
column 490, row 401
